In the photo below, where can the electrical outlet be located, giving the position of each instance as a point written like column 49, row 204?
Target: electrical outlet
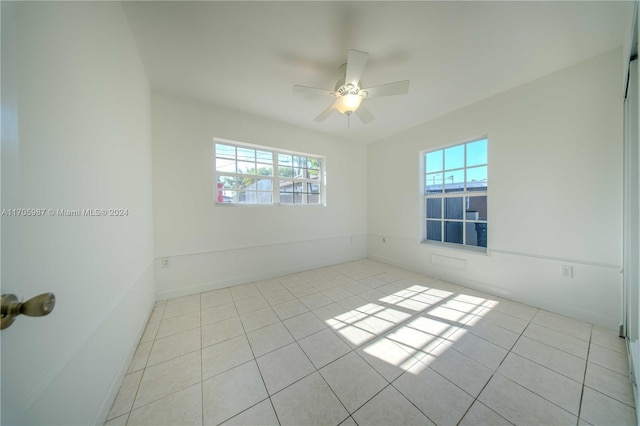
column 165, row 262
column 567, row 271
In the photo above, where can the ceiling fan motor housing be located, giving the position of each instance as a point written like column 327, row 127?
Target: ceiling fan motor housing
column 342, row 89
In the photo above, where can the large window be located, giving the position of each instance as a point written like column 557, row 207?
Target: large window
column 260, row 175
column 455, row 195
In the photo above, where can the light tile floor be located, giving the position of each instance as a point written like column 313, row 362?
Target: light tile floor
column 369, row 344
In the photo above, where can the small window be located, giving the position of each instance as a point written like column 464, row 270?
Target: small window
column 261, row 175
column 455, row 195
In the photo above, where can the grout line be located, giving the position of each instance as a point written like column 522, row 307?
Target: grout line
column 368, row 400
column 485, row 406
column 541, row 397
column 547, row 367
column 396, row 276
column 317, row 370
column 495, row 371
column 135, row 396
column 410, row 402
column 584, row 377
column 250, row 407
column 255, row 360
column 610, row 397
column 563, row 334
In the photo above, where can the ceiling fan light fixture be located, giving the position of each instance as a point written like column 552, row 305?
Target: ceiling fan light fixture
column 348, row 103
column 349, row 92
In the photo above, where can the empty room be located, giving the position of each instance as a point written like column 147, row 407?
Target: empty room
column 320, row 213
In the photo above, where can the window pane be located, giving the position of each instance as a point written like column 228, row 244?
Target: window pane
column 285, row 160
column 299, row 179
column 264, row 157
column 265, row 185
column 298, row 175
column 454, row 181
column 453, row 208
column 313, row 163
column 246, row 168
column 453, row 232
column 433, row 183
column 225, row 165
column 477, row 208
column 229, row 197
column 454, row 157
column 434, row 208
column 477, row 153
column 314, row 174
column 219, row 192
column 434, row 161
column 434, row 230
column 477, row 234
column 246, row 197
column 264, row 197
column 265, row 170
column 285, row 171
column 298, row 172
column 226, row 182
column 286, row 198
column 477, row 178
column 246, row 154
column 286, row 186
column 225, row 151
column 246, row 183
column 299, row 161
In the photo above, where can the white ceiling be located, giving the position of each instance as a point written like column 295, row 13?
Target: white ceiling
column 248, row 55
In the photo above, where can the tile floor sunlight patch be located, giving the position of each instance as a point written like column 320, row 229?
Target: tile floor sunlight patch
column 369, row 343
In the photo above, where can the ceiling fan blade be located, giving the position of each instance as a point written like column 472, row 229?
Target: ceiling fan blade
column 312, row 90
column 390, row 89
column 356, row 62
column 364, row 114
column 324, row 114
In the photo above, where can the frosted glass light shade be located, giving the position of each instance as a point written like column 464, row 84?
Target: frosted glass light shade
column 348, row 103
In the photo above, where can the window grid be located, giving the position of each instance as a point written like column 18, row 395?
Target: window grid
column 467, row 201
column 249, row 175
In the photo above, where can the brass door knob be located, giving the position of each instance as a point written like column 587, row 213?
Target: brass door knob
column 11, row 307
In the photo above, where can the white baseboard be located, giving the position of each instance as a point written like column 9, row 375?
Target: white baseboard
column 462, row 278
column 200, row 272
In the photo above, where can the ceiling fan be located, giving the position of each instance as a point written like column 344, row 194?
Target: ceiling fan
column 348, row 91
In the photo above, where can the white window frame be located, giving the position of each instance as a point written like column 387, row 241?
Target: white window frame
column 276, row 178
column 443, row 195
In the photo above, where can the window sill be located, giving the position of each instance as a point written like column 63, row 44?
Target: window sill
column 236, row 205
column 457, row 247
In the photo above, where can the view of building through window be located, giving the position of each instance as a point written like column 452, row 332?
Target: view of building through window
column 455, row 194
column 253, row 175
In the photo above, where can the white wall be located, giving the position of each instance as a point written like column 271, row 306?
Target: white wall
column 555, row 192
column 213, row 246
column 75, row 134
column 631, row 219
